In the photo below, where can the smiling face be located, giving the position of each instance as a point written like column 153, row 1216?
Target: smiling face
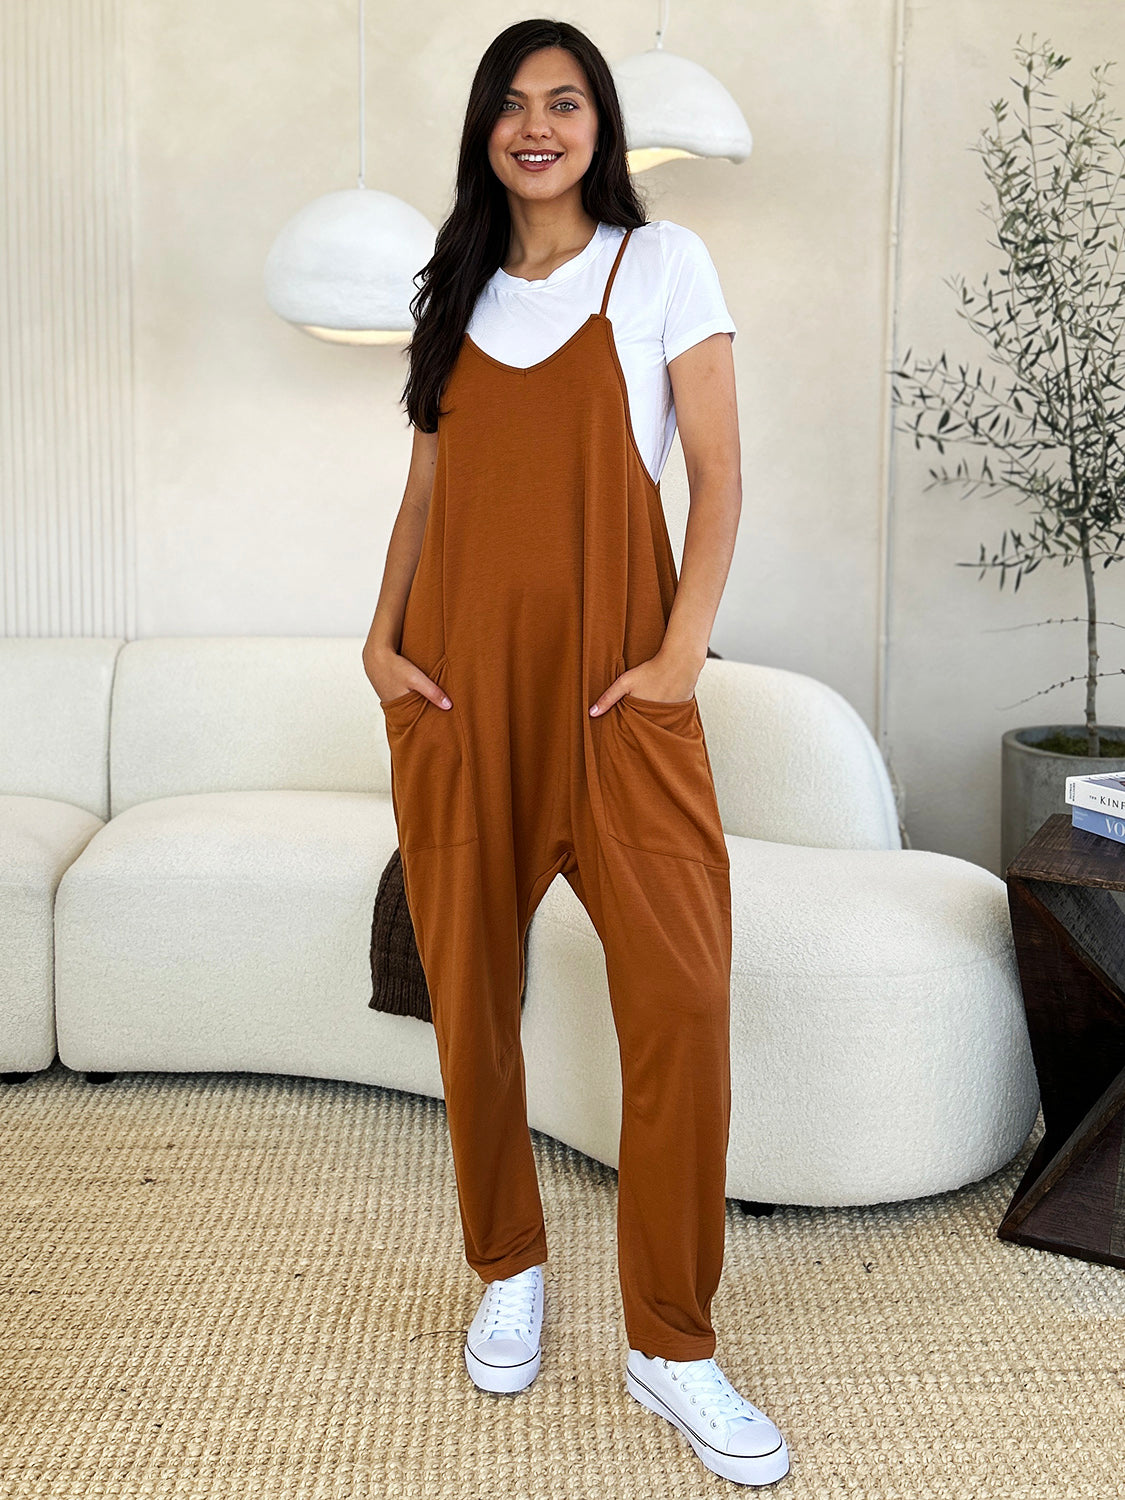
column 548, row 112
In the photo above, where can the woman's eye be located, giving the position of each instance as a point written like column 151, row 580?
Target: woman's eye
column 570, row 102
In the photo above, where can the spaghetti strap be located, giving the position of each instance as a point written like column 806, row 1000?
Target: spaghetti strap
column 613, row 272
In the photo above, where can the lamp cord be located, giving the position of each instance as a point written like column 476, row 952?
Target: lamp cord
column 662, row 24
column 362, row 166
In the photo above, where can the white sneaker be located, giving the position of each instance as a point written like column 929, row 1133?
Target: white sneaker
column 732, row 1437
column 502, row 1350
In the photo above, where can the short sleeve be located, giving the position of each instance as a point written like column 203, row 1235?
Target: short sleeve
column 694, row 307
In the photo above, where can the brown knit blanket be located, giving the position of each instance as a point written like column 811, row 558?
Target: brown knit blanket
column 398, row 983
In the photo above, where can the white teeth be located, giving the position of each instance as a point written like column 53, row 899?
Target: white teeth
column 543, row 156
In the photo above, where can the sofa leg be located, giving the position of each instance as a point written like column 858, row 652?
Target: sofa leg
column 759, row 1210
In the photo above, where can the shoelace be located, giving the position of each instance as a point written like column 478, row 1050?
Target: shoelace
column 702, row 1378
column 510, row 1304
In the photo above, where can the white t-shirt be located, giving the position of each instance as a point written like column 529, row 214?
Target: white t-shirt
column 665, row 298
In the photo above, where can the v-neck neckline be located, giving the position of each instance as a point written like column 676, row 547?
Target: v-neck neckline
column 539, row 363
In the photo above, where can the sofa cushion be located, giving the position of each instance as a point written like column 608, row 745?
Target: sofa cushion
column 39, row 839
column 232, row 931
column 879, row 1047
column 54, row 718
column 234, row 713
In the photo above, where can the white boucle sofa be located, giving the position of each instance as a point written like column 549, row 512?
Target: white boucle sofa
column 206, row 819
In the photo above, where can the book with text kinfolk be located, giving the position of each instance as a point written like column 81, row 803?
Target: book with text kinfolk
column 1105, row 824
column 1103, row 793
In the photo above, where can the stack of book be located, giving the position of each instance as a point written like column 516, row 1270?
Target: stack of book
column 1097, row 804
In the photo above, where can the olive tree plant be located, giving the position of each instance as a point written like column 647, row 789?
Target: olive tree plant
column 1050, row 428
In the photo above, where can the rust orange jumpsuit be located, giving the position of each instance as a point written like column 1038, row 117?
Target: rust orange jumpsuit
column 546, row 570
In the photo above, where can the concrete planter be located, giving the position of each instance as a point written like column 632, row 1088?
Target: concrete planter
column 1033, row 781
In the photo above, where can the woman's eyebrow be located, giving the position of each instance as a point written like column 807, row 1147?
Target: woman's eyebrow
column 563, row 88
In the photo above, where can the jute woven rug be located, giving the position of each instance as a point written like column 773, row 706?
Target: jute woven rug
column 237, row 1285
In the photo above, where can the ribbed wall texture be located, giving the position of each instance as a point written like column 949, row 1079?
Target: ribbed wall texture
column 66, row 400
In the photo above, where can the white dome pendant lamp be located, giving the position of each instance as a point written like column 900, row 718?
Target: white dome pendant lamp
column 343, row 268
column 673, row 107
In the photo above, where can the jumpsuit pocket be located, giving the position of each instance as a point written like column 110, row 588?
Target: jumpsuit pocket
column 431, row 787
column 657, row 786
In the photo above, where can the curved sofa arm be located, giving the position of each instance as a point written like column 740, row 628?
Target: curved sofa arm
column 793, row 761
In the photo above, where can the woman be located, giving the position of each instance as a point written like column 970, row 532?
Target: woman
column 536, row 659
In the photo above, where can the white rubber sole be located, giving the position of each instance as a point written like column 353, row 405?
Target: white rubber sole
column 502, row 1379
column 765, row 1468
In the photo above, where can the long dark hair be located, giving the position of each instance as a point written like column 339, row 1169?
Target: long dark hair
column 473, row 241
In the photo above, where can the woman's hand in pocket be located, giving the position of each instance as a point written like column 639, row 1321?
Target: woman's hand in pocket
column 393, row 676
column 660, row 679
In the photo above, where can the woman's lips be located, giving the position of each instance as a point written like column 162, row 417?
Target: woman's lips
column 536, row 166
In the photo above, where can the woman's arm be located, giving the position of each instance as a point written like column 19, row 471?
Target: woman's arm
column 707, row 417
column 389, row 673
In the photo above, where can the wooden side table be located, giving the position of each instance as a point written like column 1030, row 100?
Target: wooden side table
column 1070, row 946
